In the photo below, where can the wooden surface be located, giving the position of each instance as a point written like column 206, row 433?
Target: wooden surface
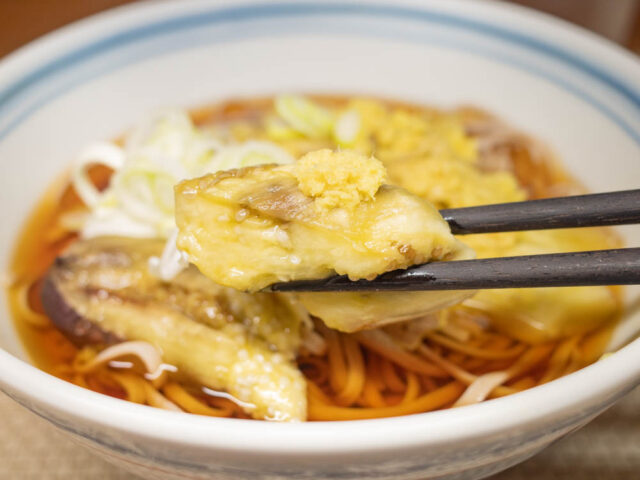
column 23, row 20
column 608, row 448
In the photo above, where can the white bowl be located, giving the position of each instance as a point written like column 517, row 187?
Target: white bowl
column 94, row 79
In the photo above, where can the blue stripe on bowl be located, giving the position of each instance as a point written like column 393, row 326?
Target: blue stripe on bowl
column 45, row 72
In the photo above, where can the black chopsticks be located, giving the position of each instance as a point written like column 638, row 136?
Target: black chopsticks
column 602, row 267
column 595, row 210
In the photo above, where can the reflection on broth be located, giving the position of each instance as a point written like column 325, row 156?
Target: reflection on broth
column 130, row 318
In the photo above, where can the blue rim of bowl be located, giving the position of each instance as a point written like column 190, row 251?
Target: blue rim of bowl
column 217, row 15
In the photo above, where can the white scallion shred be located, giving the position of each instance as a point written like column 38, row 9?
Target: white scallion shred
column 171, row 262
column 101, row 153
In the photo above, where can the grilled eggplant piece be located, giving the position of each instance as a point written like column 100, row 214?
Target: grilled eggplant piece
column 354, row 311
column 329, row 213
column 101, row 291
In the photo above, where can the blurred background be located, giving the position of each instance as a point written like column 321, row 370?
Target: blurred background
column 23, row 20
column 608, row 448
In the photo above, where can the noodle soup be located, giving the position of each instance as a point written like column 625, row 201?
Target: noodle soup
column 491, row 344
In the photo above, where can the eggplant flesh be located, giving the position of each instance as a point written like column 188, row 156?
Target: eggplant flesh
column 271, row 232
column 100, row 291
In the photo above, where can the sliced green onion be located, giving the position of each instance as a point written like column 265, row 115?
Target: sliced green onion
column 347, row 128
column 278, row 129
column 304, row 116
column 145, row 191
column 250, row 153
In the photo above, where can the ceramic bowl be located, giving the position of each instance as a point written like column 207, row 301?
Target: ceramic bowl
column 92, row 80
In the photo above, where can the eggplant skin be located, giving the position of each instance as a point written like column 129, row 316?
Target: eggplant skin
column 76, row 328
column 101, row 291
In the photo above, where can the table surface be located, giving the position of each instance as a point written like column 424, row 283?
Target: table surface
column 608, row 448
